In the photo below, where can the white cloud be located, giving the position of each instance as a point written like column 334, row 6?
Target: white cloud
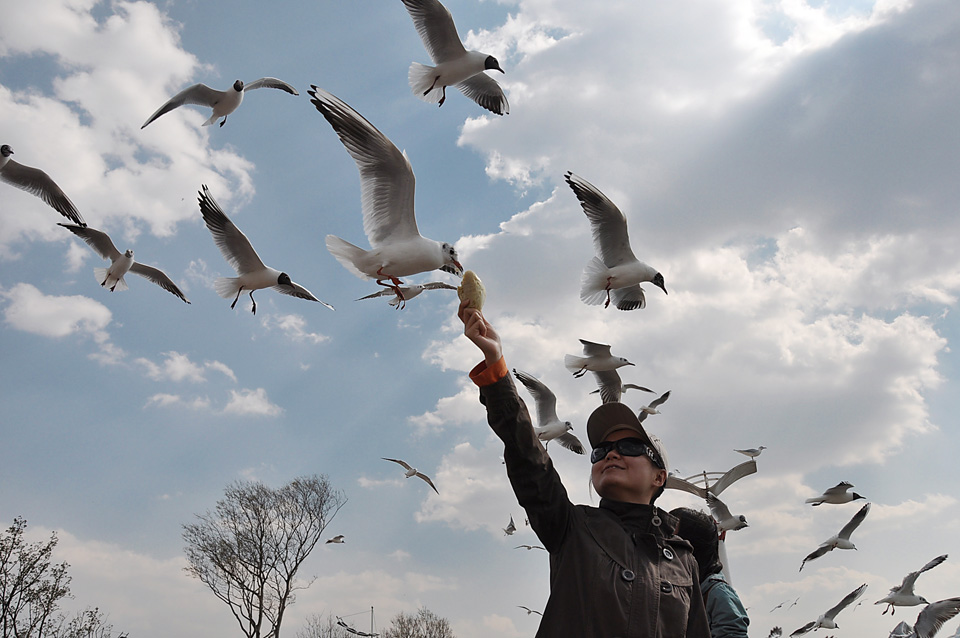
column 294, row 327
column 178, row 367
column 165, row 400
column 251, row 402
column 55, row 316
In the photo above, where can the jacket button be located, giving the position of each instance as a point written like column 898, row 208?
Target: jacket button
column 666, row 587
column 627, row 575
column 667, row 553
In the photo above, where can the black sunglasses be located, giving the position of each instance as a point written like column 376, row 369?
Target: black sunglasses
column 626, row 447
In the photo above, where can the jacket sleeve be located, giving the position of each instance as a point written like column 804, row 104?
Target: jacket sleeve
column 535, row 481
column 728, row 618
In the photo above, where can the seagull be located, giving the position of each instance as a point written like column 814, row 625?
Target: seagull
column 121, row 264
column 903, row 594
column 549, row 426
column 510, row 528
column 652, row 408
column 529, row 547
column 826, row 620
column 455, row 66
column 729, row 478
column 930, row 620
column 239, row 253
column 38, row 183
column 530, row 611
column 387, row 189
column 596, row 357
column 841, row 540
column 836, row 495
column 615, row 271
column 721, row 513
column 223, row 103
column 411, row 471
column 336, row 539
column 408, row 292
column 611, row 387
column 752, row 452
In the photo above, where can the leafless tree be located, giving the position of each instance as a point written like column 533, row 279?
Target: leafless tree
column 31, row 585
column 89, row 623
column 318, row 627
column 248, row 550
column 423, row 624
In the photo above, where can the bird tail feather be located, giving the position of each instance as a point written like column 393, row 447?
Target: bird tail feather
column 593, row 282
column 347, row 254
column 421, row 79
column 227, row 287
column 572, row 362
column 101, row 275
column 211, row 120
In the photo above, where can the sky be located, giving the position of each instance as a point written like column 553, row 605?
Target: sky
column 789, row 166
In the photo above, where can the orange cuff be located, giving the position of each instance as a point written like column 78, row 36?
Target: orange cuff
column 483, row 375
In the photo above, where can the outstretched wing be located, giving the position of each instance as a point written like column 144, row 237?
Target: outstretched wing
column 233, row 244
column 96, row 239
column 296, row 290
column 435, row 25
column 591, row 349
column 37, row 182
column 270, row 83
column 403, row 463
column 571, row 442
column 607, row 223
column 854, row 522
column 199, row 94
column 846, row 602
column 934, row 615
column 158, row 277
column 487, row 92
column 544, row 398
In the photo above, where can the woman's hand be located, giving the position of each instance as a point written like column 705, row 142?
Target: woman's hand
column 478, row 330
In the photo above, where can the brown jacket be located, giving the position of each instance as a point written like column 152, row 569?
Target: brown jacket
column 616, row 571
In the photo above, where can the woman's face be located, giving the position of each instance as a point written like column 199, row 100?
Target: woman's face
column 631, row 479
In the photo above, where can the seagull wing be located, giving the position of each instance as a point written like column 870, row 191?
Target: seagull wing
column 934, row 615
column 545, row 399
column 435, row 25
column 634, row 386
column 718, row 508
column 233, row 244
column 38, row 183
column 381, row 293
column 427, row 479
column 386, row 177
column 906, row 587
column 158, row 277
column 734, row 474
column 817, row 553
column 608, row 224
column 199, row 94
column 629, row 297
column 439, row 285
column 854, row 522
column 591, row 349
column 806, row 628
column 660, row 400
column 403, row 463
column 487, row 92
column 296, row 290
column 270, row 83
column 839, row 488
column 571, row 442
column 610, row 385
column 847, row 600
column 96, row 239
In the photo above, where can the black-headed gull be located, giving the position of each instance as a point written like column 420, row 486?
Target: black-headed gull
column 38, row 183
column 407, row 292
column 410, row 472
column 827, row 620
column 752, row 452
column 239, row 253
column 223, row 103
column 530, row 611
column 727, row 479
column 647, row 410
column 386, row 195
column 510, row 528
column 549, row 426
column 529, row 547
column 836, row 495
column 611, row 387
column 596, row 357
column 336, row 539
column 842, row 539
column 121, row 263
column 726, row 521
column 930, row 620
column 903, row 594
column 615, row 273
column 455, row 66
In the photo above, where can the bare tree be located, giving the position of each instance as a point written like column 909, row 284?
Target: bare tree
column 318, row 627
column 31, row 585
column 248, row 550
column 423, row 624
column 89, row 623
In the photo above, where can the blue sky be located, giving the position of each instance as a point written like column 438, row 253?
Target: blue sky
column 790, row 168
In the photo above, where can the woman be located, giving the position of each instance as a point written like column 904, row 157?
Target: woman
column 616, row 570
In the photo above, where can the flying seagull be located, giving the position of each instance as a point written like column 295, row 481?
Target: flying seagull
column 615, row 273
column 611, row 387
column 510, row 528
column 903, row 595
column 549, row 426
column 455, row 66
column 726, row 480
column 223, row 103
column 652, row 408
column 407, row 292
column 121, row 263
column 412, row 471
column 726, row 521
column 530, row 611
column 930, row 620
column 827, row 619
column 836, row 495
column 38, row 183
column 842, row 539
column 528, row 547
column 386, row 196
column 596, row 357
column 752, row 452
column 336, row 539
column 239, row 253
